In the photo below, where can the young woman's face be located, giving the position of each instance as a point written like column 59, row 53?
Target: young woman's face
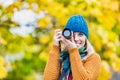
column 79, row 39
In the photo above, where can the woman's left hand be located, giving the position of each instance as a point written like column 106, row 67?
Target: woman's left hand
column 69, row 43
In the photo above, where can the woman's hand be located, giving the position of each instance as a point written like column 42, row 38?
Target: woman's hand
column 57, row 36
column 69, row 43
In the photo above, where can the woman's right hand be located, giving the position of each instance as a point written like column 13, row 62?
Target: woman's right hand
column 67, row 44
column 57, row 36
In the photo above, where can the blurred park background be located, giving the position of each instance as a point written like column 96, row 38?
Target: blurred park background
column 27, row 29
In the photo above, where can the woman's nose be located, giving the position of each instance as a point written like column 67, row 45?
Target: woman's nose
column 76, row 38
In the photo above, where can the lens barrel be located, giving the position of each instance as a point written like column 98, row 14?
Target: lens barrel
column 67, row 33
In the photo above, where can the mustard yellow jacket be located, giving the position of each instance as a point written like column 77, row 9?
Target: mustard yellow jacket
column 87, row 69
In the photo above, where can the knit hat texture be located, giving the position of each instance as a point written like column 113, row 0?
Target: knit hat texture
column 77, row 23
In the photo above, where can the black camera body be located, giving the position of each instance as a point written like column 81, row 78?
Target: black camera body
column 67, row 33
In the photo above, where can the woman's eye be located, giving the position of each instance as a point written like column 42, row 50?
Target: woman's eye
column 80, row 34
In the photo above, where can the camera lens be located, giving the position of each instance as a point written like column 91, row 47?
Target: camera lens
column 67, row 33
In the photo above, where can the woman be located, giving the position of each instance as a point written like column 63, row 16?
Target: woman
column 77, row 60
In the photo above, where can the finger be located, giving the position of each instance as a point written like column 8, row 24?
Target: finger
column 72, row 38
column 57, row 30
column 66, row 41
column 59, row 37
column 62, row 39
column 58, row 33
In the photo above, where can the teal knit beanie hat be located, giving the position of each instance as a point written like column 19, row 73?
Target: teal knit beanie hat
column 77, row 23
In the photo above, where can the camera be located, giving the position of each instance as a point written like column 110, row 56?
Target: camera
column 67, row 33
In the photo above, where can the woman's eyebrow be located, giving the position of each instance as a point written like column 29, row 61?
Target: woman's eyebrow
column 80, row 33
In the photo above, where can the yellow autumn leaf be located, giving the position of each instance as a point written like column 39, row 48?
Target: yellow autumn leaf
column 2, row 41
column 43, row 55
column 44, row 22
column 111, row 46
column 113, row 66
column 30, row 1
column 112, row 36
column 30, row 77
column 96, row 42
column 111, row 56
column 2, row 62
column 118, row 64
column 62, row 20
column 14, row 67
column 54, row 11
column 103, row 33
column 107, row 54
column 38, row 10
column 59, row 9
column 107, row 20
column 3, row 72
column 105, row 73
column 114, row 5
column 95, row 12
column 16, row 4
column 44, row 39
column 105, row 3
